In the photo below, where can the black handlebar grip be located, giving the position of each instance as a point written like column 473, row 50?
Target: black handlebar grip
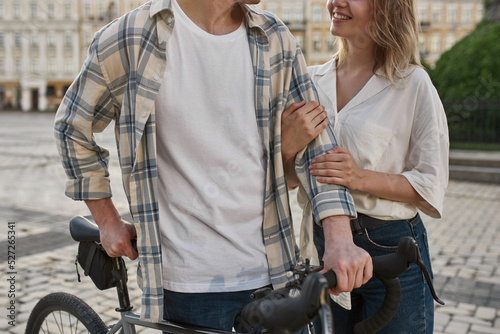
column 385, row 312
column 331, row 278
column 393, row 265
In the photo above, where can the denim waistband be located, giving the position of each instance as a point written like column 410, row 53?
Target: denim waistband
column 363, row 221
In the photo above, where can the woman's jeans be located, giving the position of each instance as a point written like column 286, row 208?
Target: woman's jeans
column 416, row 310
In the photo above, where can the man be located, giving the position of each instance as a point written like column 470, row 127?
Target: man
column 196, row 89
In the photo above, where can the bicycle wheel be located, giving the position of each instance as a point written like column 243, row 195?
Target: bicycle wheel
column 64, row 313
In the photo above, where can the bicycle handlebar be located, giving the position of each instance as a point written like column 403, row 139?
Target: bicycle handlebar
column 291, row 308
column 285, row 310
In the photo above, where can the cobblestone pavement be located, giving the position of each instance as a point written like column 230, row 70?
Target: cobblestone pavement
column 464, row 244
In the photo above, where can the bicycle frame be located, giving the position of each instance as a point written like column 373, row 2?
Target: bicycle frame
column 129, row 320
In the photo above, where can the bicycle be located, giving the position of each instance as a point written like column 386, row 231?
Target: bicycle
column 281, row 311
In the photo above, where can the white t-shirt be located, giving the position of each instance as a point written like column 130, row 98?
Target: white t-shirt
column 392, row 129
column 210, row 163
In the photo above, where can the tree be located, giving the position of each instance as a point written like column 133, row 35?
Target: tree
column 492, row 10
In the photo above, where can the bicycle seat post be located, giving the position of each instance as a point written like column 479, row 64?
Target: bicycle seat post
column 121, row 288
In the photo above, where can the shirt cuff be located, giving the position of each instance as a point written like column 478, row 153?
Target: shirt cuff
column 336, row 202
column 90, row 188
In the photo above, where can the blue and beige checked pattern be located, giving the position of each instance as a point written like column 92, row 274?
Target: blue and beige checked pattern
column 120, row 80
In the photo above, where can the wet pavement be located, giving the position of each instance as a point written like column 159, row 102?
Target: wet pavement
column 465, row 246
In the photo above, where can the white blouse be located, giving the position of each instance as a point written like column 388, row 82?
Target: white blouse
column 398, row 129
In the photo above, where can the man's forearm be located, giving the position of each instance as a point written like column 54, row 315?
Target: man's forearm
column 103, row 211
column 337, row 227
column 290, row 175
column 351, row 264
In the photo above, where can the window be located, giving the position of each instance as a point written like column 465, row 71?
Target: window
column 67, row 11
column 16, row 10
column 101, row 10
column 35, row 66
column 2, row 40
column 68, row 39
column 330, row 43
column 51, row 90
column 113, row 10
column 51, row 10
column 87, row 37
column 286, row 14
column 51, row 38
column 317, row 11
column 68, row 66
column 317, row 43
column 51, row 66
column 2, row 66
column 34, row 38
column 435, row 44
column 466, row 13
column 87, row 11
column 17, row 65
column 422, row 12
column 451, row 13
column 18, row 39
column 436, row 13
column 299, row 14
column 34, row 10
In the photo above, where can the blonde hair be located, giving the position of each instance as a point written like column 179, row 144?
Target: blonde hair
column 394, row 28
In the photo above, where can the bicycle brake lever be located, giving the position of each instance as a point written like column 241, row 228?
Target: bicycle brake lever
column 395, row 264
column 420, row 263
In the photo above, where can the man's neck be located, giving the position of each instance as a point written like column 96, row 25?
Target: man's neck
column 217, row 17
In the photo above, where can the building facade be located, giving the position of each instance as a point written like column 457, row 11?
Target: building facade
column 43, row 43
column 443, row 23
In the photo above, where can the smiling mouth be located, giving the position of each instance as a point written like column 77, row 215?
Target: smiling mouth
column 340, row 16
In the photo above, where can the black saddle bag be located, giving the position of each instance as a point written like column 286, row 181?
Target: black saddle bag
column 97, row 264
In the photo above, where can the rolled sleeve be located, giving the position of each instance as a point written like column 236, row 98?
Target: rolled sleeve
column 87, row 107
column 326, row 199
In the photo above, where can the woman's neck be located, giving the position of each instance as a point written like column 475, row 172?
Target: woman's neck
column 359, row 59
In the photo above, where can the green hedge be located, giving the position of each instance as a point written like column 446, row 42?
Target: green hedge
column 467, row 78
column 469, row 72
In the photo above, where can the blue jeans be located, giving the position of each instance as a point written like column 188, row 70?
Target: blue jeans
column 416, row 310
column 209, row 310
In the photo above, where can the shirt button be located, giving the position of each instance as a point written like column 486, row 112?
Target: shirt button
column 156, row 77
column 160, row 41
column 143, row 114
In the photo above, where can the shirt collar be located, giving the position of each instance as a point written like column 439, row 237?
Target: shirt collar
column 254, row 16
column 158, row 6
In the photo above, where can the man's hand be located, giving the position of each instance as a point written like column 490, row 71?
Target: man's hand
column 116, row 234
column 352, row 265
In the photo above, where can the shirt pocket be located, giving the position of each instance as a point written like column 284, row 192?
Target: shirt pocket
column 366, row 141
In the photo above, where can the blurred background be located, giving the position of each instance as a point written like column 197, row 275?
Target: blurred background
column 43, row 44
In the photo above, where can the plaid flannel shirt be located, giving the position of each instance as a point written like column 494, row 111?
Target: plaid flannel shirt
column 120, row 80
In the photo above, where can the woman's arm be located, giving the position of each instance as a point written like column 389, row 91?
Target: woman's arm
column 300, row 124
column 339, row 167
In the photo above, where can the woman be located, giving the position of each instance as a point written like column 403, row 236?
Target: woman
column 393, row 153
